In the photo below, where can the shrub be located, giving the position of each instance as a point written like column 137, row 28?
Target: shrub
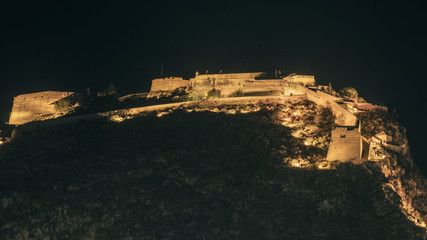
column 361, row 100
column 110, row 91
column 327, row 119
column 348, row 92
column 214, row 93
column 190, row 96
column 238, row 93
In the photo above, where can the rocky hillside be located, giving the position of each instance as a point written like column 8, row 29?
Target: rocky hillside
column 240, row 172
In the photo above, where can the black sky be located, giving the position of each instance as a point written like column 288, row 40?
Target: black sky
column 377, row 47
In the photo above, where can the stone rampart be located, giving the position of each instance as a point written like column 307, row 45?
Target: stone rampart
column 345, row 145
column 370, row 107
column 133, row 96
column 327, row 96
column 201, row 86
column 223, row 76
column 343, row 116
column 256, row 100
column 264, row 85
column 228, row 84
column 306, row 80
column 28, row 107
column 168, row 84
column 292, row 89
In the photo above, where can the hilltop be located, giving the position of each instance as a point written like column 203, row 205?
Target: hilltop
column 224, row 172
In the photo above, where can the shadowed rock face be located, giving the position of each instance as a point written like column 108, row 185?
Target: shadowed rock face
column 196, row 175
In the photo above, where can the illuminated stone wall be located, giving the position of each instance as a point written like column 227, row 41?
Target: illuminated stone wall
column 27, row 107
column 228, row 84
column 305, row 80
column 225, row 76
column 345, row 145
column 343, row 116
column 248, row 83
column 292, row 89
column 168, row 84
column 265, row 85
column 231, row 84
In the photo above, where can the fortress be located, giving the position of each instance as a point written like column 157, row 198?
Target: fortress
column 232, row 84
column 235, row 88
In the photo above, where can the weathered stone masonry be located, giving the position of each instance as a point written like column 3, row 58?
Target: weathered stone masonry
column 28, row 107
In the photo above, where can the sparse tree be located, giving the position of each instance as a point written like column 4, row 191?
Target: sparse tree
column 348, row 92
column 327, row 119
column 214, row 93
column 110, row 91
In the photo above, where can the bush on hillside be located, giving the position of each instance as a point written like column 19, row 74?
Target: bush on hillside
column 214, row 93
column 348, row 92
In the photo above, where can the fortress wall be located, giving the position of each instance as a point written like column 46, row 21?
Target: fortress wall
column 327, row 96
column 264, row 85
column 27, row 107
column 256, row 100
column 345, row 145
column 227, row 86
column 370, row 107
column 343, row 116
column 306, row 80
column 230, row 86
column 347, row 149
column 133, row 96
column 168, row 84
column 243, row 76
column 293, row 89
column 226, row 83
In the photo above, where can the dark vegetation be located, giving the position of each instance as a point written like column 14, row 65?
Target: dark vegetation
column 214, row 93
column 403, row 170
column 107, row 100
column 195, row 175
column 374, row 122
column 348, row 92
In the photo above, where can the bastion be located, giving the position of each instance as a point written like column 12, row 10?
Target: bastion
column 28, row 107
column 170, row 84
column 253, row 83
column 345, row 145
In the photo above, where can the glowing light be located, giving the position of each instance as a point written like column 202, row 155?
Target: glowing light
column 323, row 165
column 160, row 114
column 1, row 142
column 296, row 164
column 306, row 143
column 118, row 118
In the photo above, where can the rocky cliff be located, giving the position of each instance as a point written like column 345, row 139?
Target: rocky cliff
column 225, row 172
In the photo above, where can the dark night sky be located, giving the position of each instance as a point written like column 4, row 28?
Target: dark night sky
column 378, row 48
